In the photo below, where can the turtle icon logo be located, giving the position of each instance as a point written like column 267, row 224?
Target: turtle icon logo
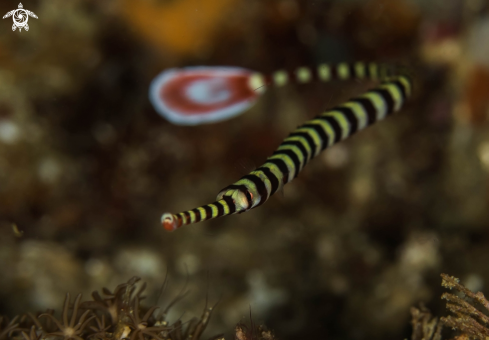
column 20, row 16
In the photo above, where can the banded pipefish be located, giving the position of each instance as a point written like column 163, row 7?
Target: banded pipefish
column 309, row 139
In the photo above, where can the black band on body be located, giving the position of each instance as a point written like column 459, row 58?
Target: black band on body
column 301, row 148
column 197, row 215
column 230, row 203
column 274, row 181
column 350, row 117
column 293, row 157
column 353, row 70
column 401, row 88
column 320, row 131
column 335, row 125
column 220, row 208
column 187, row 217
column 180, row 220
column 282, row 167
column 387, row 97
column 208, row 212
column 369, row 109
column 308, row 139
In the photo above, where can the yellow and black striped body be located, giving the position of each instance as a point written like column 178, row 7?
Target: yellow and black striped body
column 309, row 139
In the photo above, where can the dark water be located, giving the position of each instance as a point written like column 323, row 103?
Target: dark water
column 87, row 166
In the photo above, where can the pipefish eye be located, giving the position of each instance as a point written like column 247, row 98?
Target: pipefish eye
column 240, row 199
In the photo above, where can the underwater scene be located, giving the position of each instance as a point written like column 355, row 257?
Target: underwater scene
column 206, row 169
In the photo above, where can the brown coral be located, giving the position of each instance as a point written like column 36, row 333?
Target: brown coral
column 113, row 315
column 468, row 319
column 68, row 329
column 9, row 327
column 425, row 326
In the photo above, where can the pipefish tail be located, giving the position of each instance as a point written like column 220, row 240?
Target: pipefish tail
column 309, row 139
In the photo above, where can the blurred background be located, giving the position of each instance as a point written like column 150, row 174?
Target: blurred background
column 87, row 166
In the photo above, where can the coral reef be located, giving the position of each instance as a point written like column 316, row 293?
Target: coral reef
column 469, row 320
column 87, row 166
column 119, row 315
column 114, row 315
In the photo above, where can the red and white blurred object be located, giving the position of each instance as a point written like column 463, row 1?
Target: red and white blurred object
column 200, row 95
